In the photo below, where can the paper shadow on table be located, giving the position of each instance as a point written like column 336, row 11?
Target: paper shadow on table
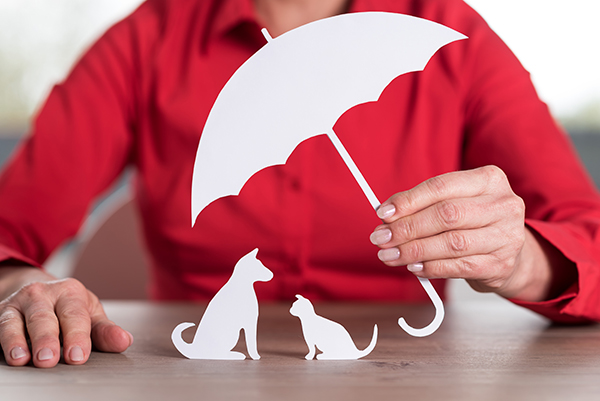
column 163, row 349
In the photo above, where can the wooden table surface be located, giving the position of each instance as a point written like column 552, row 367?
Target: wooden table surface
column 483, row 351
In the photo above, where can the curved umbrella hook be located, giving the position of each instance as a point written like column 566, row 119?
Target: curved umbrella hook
column 439, row 313
column 372, row 198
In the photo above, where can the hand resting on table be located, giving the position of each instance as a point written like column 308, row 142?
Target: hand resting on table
column 37, row 306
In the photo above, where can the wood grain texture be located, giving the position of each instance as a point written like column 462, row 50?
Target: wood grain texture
column 483, row 351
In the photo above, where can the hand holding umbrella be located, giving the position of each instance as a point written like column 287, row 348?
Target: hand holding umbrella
column 284, row 94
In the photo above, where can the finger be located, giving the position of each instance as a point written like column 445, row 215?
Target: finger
column 42, row 326
column 470, row 268
column 478, row 270
column 106, row 335
column 76, row 325
column 12, row 337
column 464, row 213
column 447, row 245
column 459, row 184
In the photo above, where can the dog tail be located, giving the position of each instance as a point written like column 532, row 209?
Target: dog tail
column 371, row 346
column 183, row 347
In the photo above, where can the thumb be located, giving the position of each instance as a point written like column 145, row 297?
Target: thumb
column 106, row 335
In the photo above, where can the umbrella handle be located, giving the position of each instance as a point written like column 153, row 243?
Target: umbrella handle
column 433, row 295
column 439, row 313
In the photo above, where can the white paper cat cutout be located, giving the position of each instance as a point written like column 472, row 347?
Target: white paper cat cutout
column 233, row 308
column 330, row 337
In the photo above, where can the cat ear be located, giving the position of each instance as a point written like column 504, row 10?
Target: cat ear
column 254, row 252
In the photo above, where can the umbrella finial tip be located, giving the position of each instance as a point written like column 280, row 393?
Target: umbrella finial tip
column 266, row 34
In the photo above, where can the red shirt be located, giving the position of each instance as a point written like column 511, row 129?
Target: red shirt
column 141, row 95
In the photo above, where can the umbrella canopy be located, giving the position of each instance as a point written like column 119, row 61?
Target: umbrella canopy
column 298, row 85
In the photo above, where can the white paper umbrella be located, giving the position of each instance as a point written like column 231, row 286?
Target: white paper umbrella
column 296, row 87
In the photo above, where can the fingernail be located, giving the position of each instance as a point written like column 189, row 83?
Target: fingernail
column 381, row 237
column 130, row 338
column 415, row 267
column 17, row 353
column 45, row 354
column 385, row 211
column 76, row 354
column 388, row 255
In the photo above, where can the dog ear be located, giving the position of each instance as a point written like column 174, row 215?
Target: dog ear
column 254, row 252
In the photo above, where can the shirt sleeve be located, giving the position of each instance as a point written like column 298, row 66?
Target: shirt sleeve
column 79, row 143
column 507, row 125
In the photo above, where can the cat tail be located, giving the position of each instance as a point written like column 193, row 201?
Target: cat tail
column 186, row 349
column 371, row 346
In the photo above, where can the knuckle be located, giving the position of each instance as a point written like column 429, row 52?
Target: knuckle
column 493, row 172
column 72, row 287
column 404, row 202
column 75, row 313
column 8, row 318
column 506, row 267
column 405, row 229
column 449, row 213
column 40, row 314
column 34, row 290
column 76, row 334
column 46, row 338
column 517, row 205
column 41, row 325
column 433, row 269
column 9, row 314
column 413, row 251
column 466, row 267
column 93, row 299
column 437, row 185
column 457, row 242
column 494, row 175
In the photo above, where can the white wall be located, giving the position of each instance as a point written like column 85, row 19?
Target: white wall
column 558, row 41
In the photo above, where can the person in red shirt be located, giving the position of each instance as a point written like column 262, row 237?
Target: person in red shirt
column 480, row 182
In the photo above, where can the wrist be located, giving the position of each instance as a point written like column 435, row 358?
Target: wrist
column 12, row 278
column 541, row 273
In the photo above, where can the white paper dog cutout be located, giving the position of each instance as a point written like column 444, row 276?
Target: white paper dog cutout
column 328, row 336
column 233, row 308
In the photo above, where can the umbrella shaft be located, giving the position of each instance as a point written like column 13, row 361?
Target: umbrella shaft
column 364, row 185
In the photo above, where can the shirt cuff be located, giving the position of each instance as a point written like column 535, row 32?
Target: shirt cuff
column 554, row 309
column 7, row 254
column 580, row 302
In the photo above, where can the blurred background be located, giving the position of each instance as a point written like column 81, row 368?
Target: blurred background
column 39, row 42
column 556, row 40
